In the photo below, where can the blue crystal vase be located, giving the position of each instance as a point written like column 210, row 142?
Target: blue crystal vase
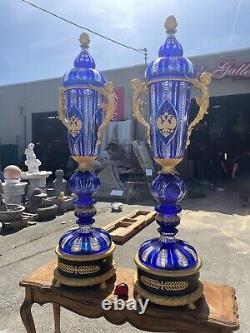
column 86, row 106
column 167, row 267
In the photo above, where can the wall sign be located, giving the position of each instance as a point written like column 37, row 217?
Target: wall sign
column 228, row 68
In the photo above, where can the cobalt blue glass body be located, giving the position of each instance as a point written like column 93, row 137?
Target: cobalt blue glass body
column 167, row 252
column 85, row 239
column 168, row 190
column 170, row 96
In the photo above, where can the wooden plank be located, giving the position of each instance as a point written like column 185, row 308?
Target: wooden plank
column 124, row 228
column 128, row 216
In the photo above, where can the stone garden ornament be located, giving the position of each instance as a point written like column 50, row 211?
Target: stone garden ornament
column 31, row 161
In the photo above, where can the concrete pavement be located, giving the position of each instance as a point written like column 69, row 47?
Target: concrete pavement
column 216, row 226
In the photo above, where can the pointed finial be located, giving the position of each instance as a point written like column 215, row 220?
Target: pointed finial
column 84, row 40
column 171, row 24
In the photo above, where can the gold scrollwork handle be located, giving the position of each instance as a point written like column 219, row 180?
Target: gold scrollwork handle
column 203, row 101
column 138, row 103
column 74, row 124
column 62, row 108
column 108, row 106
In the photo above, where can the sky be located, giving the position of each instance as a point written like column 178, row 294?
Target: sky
column 36, row 46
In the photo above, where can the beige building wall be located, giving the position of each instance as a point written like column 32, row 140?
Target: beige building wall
column 19, row 101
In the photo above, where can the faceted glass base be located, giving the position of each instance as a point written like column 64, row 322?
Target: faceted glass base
column 167, row 253
column 85, row 240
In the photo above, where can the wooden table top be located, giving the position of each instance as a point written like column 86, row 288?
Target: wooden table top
column 217, row 308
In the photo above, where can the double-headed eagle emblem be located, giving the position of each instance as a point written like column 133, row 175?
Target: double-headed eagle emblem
column 74, row 126
column 166, row 124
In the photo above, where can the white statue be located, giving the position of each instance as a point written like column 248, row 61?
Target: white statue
column 31, row 161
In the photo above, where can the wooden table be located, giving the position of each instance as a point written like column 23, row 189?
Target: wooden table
column 215, row 312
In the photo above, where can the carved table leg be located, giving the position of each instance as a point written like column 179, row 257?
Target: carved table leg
column 25, row 312
column 56, row 310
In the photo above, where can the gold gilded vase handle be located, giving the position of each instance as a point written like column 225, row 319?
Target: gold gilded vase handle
column 73, row 124
column 138, row 103
column 62, row 108
column 203, row 101
column 108, row 106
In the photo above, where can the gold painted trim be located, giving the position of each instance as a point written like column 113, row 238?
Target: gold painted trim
column 164, row 285
column 168, row 300
column 84, row 282
column 81, row 270
column 90, row 257
column 159, row 272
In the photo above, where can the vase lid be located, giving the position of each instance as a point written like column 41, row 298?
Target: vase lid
column 170, row 62
column 84, row 72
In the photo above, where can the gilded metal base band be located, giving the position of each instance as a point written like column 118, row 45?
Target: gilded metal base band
column 170, row 219
column 168, row 165
column 80, row 270
column 91, row 257
column 164, row 285
column 84, row 162
column 161, row 272
column 84, row 282
column 169, row 301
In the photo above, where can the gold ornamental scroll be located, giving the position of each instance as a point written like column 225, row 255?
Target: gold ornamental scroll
column 108, row 106
column 140, row 89
column 203, row 101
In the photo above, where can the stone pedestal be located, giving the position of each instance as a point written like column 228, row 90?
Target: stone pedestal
column 36, row 180
column 13, row 192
